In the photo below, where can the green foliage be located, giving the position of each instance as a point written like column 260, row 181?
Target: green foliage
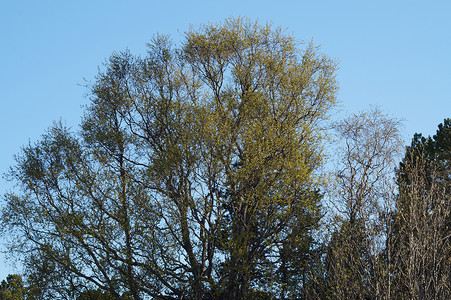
column 196, row 175
column 12, row 288
column 422, row 219
column 193, row 175
column 346, row 262
column 100, row 295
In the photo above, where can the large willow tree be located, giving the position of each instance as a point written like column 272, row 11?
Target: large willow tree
column 193, row 174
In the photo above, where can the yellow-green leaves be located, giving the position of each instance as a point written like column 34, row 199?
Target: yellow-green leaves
column 193, row 168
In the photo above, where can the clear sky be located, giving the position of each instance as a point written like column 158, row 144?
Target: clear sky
column 394, row 54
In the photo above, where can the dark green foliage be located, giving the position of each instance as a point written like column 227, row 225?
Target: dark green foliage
column 12, row 288
column 345, row 264
column 101, row 295
column 421, row 222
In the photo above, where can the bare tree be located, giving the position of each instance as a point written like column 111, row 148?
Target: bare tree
column 363, row 193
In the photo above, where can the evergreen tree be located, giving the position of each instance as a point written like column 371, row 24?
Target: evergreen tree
column 422, row 239
column 12, row 288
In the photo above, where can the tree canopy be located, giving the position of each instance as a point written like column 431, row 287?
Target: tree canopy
column 12, row 288
column 422, row 219
column 192, row 175
column 199, row 172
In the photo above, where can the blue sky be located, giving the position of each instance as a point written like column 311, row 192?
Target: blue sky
column 394, row 54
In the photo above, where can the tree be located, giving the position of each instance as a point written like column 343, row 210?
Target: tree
column 99, row 295
column 422, row 219
column 194, row 167
column 363, row 197
column 12, row 288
